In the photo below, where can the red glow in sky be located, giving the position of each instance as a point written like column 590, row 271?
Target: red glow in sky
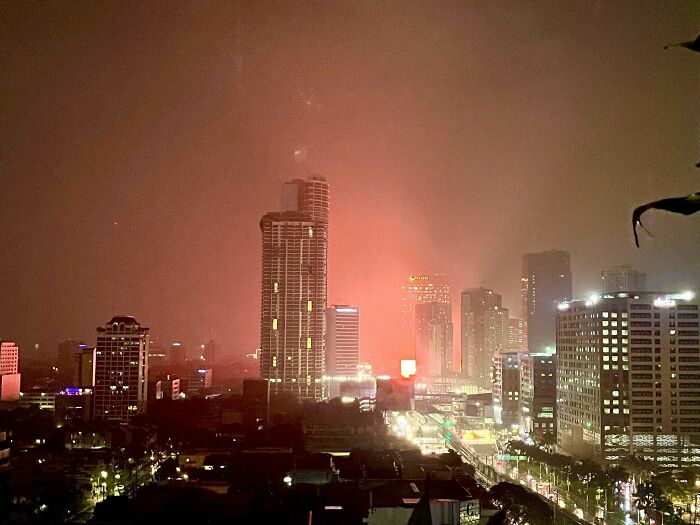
column 141, row 144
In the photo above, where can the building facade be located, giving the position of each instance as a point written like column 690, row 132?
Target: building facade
column 628, row 378
column 294, row 277
column 545, row 282
column 623, row 279
column 515, row 335
column 484, row 331
column 342, row 340
column 434, row 347
column 538, row 392
column 419, row 289
column 506, row 387
column 121, row 370
column 9, row 371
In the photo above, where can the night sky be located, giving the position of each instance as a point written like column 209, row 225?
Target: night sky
column 140, row 143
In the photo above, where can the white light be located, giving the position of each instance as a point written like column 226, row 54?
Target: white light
column 664, row 302
column 563, row 306
column 592, row 299
column 687, row 295
column 347, row 399
column 287, row 479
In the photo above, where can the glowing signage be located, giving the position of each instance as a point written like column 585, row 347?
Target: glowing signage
column 414, row 278
column 408, row 368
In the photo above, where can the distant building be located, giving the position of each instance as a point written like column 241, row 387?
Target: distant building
column 515, row 336
column 623, row 279
column 293, row 302
column 178, row 354
column 420, row 289
column 545, row 282
column 121, row 369
column 158, row 360
column 83, row 370
column 9, row 371
column 628, row 378
column 256, row 403
column 343, row 340
column 538, row 398
column 168, row 387
column 67, row 350
column 73, row 404
column 210, row 352
column 506, row 387
column 484, row 331
column 198, row 381
column 433, row 339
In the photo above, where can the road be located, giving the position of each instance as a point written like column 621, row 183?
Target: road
column 489, row 475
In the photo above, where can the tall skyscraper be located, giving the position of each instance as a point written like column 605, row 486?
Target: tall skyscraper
column 545, row 282
column 9, row 371
column 420, row 289
column 121, row 369
column 628, row 378
column 83, row 373
column 484, row 331
column 343, row 340
column 67, row 352
column 434, row 339
column 293, row 306
column 623, row 279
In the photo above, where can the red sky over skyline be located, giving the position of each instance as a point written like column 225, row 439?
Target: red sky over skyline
column 141, row 144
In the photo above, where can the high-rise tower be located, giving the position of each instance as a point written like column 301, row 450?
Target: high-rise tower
column 545, row 282
column 343, row 341
column 121, row 369
column 484, row 331
column 293, row 306
column 420, row 289
column 434, row 339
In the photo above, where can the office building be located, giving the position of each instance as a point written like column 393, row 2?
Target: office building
column 506, row 387
column 121, row 370
column 158, row 360
column 9, row 371
column 420, row 289
column 484, row 331
column 623, row 279
column 433, row 327
column 256, row 403
column 198, row 382
column 293, row 305
column 178, row 354
column 515, row 335
column 538, row 392
column 628, row 378
column 342, row 340
column 67, row 351
column 83, row 372
column 545, row 282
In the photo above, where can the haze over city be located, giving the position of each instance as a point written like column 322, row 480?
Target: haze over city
column 141, row 144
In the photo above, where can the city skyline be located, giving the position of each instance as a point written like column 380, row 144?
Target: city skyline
column 443, row 129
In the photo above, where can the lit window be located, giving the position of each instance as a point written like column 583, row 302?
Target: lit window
column 309, row 305
column 308, row 343
column 311, row 231
column 274, row 324
column 276, row 287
